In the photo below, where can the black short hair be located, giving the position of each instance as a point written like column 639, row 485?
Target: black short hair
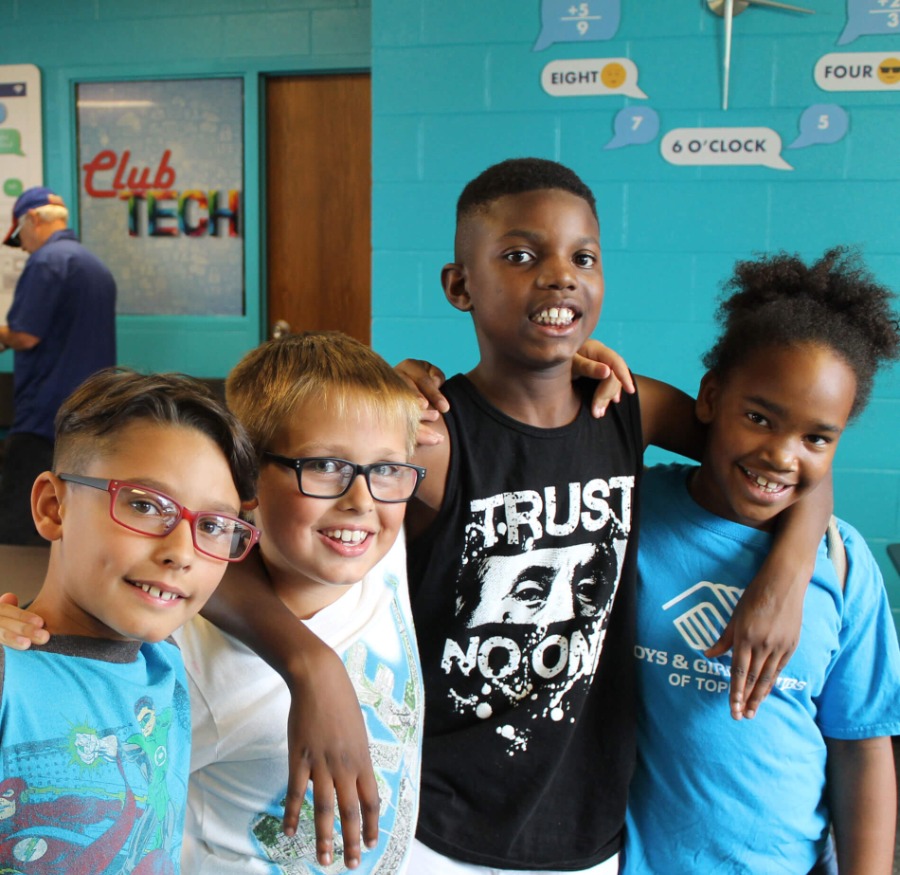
column 779, row 300
column 517, row 176
column 111, row 399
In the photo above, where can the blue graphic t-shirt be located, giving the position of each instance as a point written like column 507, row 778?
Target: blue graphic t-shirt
column 715, row 795
column 95, row 739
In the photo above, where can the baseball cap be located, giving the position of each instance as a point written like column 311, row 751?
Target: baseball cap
column 30, row 199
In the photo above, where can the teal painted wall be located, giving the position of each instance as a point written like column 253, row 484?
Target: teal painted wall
column 75, row 41
column 456, row 87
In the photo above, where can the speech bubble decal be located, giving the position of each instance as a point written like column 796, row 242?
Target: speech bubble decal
column 563, row 21
column 821, row 123
column 859, row 71
column 591, row 76
column 724, row 146
column 10, row 142
column 866, row 17
column 2, row 113
column 634, row 126
column 13, row 187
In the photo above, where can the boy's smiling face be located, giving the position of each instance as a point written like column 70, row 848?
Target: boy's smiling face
column 314, row 548
column 774, row 424
column 529, row 271
column 106, row 581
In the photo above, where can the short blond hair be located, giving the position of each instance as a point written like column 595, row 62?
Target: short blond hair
column 270, row 382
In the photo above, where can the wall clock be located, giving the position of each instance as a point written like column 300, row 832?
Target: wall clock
column 727, row 9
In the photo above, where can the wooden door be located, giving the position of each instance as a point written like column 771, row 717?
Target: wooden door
column 318, row 196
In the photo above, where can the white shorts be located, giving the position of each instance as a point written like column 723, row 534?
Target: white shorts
column 424, row 861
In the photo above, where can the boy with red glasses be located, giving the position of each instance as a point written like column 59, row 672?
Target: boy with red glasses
column 95, row 724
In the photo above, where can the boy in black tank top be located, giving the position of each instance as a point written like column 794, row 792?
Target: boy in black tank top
column 522, row 547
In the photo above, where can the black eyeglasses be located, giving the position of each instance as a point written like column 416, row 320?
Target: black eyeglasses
column 326, row 477
column 153, row 513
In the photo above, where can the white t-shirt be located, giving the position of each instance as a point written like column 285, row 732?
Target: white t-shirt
column 239, row 760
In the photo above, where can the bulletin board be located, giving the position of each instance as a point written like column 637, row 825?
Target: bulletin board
column 21, row 160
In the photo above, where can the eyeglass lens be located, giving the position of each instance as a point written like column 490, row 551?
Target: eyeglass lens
column 329, row 478
column 152, row 513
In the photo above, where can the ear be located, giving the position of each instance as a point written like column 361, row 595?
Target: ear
column 707, row 398
column 453, row 279
column 250, row 505
column 46, row 505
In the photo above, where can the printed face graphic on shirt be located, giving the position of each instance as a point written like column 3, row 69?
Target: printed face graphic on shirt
column 540, row 587
column 537, row 582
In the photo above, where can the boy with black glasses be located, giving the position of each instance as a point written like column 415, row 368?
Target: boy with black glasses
column 333, row 427
column 142, row 511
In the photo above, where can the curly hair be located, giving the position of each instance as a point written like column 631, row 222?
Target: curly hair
column 778, row 300
column 517, row 176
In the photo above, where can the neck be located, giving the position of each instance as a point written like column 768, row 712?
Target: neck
column 303, row 597
column 47, row 230
column 544, row 399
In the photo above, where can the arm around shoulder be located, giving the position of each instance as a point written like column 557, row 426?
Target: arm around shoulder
column 668, row 419
column 327, row 739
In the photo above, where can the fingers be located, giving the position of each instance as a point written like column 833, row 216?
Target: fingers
column 764, row 683
column 598, row 361
column 20, row 629
column 621, row 372
column 753, row 674
column 425, row 436
column 739, row 678
column 426, row 379
column 739, row 662
column 370, row 808
column 599, row 406
column 298, row 778
column 323, row 808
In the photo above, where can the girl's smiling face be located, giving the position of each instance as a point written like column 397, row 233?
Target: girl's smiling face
column 774, row 424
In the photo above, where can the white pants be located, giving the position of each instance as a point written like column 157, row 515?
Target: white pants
column 424, row 861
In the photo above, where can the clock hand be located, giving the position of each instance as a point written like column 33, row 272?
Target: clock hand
column 787, row 6
column 726, row 66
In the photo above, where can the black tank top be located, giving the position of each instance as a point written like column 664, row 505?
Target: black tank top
column 523, row 597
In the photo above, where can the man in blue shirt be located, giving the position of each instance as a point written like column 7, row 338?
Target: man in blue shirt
column 61, row 327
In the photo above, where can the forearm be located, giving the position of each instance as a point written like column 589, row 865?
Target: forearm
column 10, row 339
column 327, row 739
column 862, row 793
column 668, row 419
column 245, row 606
column 799, row 530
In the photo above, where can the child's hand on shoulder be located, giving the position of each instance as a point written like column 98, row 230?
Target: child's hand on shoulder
column 20, row 629
column 598, row 362
column 426, row 379
column 762, row 635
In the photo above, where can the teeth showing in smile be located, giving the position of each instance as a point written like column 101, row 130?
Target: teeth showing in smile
column 157, row 593
column 764, row 484
column 347, row 536
column 554, row 316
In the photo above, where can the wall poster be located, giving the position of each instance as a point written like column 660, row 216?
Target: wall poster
column 21, row 160
column 161, row 192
